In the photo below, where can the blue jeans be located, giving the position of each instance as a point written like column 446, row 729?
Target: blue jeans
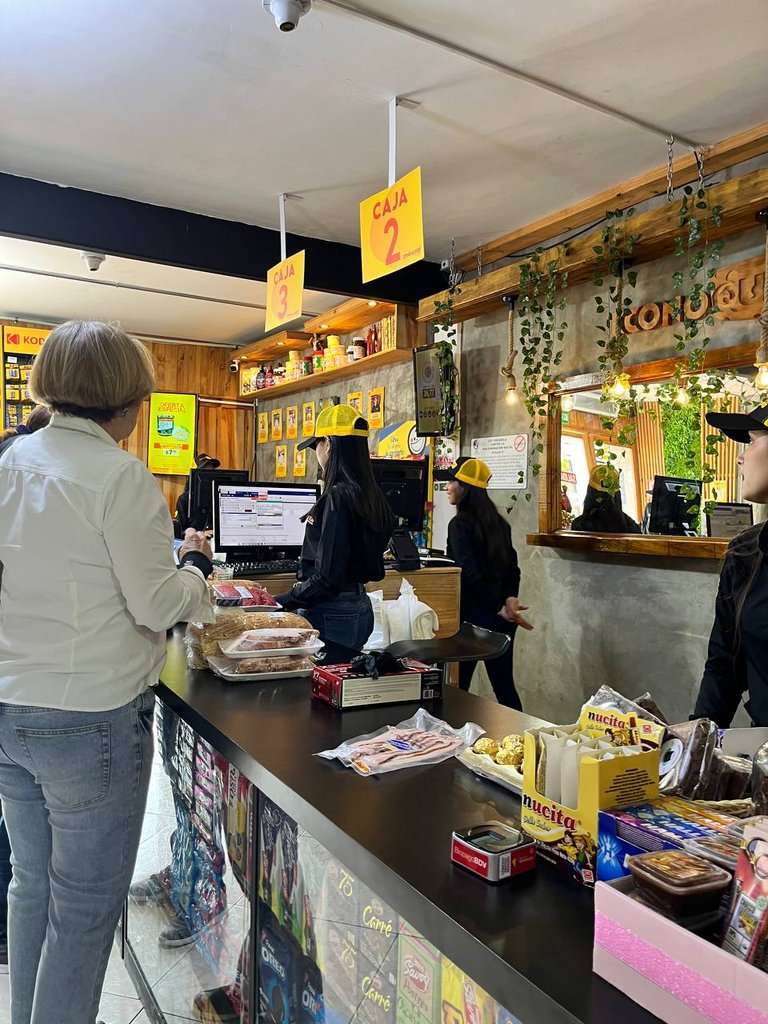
column 73, row 787
column 344, row 622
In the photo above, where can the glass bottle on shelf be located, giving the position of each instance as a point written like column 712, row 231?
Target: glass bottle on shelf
column 269, row 377
column 260, row 379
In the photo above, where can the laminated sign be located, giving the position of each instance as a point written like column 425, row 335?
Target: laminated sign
column 285, row 290
column 24, row 340
column 172, row 427
column 392, row 228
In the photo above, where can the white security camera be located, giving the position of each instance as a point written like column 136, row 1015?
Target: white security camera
column 93, row 260
column 234, row 366
column 287, row 13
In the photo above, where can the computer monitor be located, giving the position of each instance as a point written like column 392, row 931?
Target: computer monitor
column 675, row 506
column 252, row 517
column 404, row 483
column 201, row 490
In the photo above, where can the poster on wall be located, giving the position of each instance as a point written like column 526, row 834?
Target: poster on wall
column 392, row 227
column 400, row 441
column 376, row 408
column 292, row 422
column 355, row 399
column 27, row 341
column 325, row 403
column 277, row 424
column 263, row 427
column 507, row 458
column 426, row 382
column 308, row 419
column 172, row 429
column 299, row 461
column 281, row 461
column 285, row 290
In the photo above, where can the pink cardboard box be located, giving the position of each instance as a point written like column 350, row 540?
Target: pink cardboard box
column 671, row 972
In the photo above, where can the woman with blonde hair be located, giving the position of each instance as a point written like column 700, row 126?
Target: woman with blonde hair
column 88, row 589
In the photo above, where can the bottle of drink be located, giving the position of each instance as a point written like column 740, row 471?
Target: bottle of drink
column 260, row 379
column 269, row 377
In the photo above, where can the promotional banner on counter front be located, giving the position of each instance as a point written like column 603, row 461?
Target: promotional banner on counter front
column 285, row 291
column 172, row 429
column 392, row 228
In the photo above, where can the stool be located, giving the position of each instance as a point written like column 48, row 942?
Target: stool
column 471, row 643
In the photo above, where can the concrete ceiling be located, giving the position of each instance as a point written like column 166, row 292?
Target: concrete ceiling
column 50, row 283
column 207, row 107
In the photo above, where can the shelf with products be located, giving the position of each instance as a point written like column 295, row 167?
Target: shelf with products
column 372, row 329
column 345, row 372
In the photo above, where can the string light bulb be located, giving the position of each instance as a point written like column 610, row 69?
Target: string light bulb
column 511, row 397
column 619, row 388
column 567, row 403
column 761, row 380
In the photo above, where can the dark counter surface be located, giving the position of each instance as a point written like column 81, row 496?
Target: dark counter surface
column 528, row 941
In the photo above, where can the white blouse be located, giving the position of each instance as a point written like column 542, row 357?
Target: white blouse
column 88, row 584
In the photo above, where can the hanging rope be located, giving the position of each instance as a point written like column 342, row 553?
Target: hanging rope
column 670, row 168
column 762, row 352
column 508, row 369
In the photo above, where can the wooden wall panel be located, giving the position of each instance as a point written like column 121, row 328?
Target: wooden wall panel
column 650, row 444
column 725, row 465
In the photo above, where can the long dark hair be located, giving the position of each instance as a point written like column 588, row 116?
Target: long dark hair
column 491, row 531
column 746, row 549
column 349, row 471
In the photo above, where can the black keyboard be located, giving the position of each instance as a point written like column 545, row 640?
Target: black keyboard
column 249, row 570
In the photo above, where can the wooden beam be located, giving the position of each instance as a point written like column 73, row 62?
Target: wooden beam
column 657, row 229
column 728, row 153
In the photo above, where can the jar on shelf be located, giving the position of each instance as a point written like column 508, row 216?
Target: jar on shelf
column 318, row 356
column 307, row 366
column 293, row 366
column 358, row 346
column 334, row 354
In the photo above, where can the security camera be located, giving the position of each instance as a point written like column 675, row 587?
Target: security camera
column 93, row 260
column 234, row 366
column 287, row 13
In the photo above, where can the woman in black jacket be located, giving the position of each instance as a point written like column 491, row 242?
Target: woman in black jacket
column 737, row 661
column 346, row 535
column 480, row 542
column 602, row 505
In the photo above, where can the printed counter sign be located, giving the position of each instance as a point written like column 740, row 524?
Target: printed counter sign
column 24, row 341
column 172, row 428
column 427, row 382
column 285, row 291
column 392, row 228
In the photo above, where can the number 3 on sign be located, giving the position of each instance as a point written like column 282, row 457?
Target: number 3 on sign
column 285, row 288
column 392, row 228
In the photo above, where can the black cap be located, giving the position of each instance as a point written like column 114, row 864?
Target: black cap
column 737, row 425
column 203, row 461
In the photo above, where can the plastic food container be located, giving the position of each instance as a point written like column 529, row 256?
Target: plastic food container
column 737, row 828
column 679, row 883
column 720, row 850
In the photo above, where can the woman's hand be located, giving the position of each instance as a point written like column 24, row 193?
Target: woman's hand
column 195, row 540
column 511, row 613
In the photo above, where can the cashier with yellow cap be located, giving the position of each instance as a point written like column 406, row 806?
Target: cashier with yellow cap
column 346, row 535
column 480, row 542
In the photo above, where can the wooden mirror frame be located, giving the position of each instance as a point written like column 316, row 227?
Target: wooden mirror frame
column 550, row 532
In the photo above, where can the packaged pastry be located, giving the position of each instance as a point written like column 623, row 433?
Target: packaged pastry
column 268, row 640
column 721, row 850
column 679, row 883
column 203, row 639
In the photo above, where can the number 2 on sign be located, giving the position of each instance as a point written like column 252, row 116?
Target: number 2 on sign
column 393, row 227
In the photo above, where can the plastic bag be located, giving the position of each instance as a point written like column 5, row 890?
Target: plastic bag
column 420, row 740
column 379, row 638
column 409, row 618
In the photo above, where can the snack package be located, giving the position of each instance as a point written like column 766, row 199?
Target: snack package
column 420, row 740
column 650, row 728
column 686, row 758
column 418, row 980
column 276, row 970
column 241, row 594
column 746, row 931
column 464, row 1002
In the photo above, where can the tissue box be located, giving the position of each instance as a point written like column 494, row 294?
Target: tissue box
column 568, row 836
column 671, row 972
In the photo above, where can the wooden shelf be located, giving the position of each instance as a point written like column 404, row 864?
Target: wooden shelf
column 632, row 544
column 352, row 315
column 276, row 346
column 381, row 359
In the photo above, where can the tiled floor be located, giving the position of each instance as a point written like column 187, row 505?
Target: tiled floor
column 175, row 974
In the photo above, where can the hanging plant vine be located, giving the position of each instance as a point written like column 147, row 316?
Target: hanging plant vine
column 542, row 331
column 445, row 326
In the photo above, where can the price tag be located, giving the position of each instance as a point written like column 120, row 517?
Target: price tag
column 285, row 290
column 392, row 228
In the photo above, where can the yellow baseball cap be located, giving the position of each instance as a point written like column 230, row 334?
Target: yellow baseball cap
column 473, row 472
column 337, row 421
column 605, row 478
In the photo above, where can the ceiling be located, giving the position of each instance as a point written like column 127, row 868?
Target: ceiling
column 50, row 283
column 207, row 107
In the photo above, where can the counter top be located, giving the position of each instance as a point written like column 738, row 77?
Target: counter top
column 528, row 941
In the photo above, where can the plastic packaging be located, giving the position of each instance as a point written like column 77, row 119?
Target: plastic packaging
column 679, row 883
column 261, row 669
column 241, row 594
column 422, row 739
column 202, row 640
column 686, row 758
column 259, row 641
column 720, row 850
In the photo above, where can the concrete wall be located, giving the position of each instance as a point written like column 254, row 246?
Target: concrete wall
column 633, row 623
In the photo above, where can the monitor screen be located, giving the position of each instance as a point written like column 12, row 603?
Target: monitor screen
column 262, row 515
column 201, row 486
column 675, row 506
column 404, row 483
